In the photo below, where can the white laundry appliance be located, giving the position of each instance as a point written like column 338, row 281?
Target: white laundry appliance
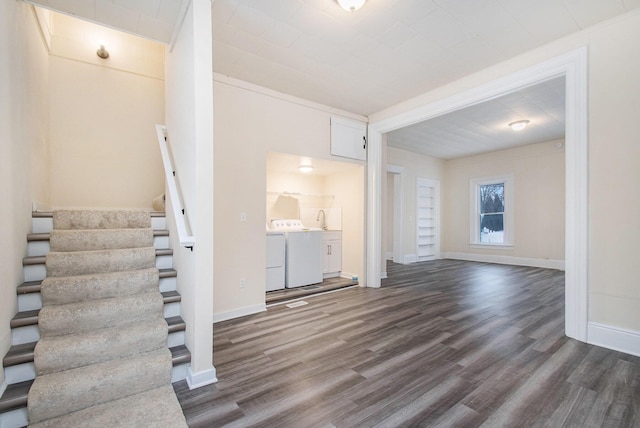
column 303, row 262
column 276, row 253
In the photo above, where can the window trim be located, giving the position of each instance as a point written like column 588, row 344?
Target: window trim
column 509, row 206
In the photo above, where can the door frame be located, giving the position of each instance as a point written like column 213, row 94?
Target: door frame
column 398, row 198
column 572, row 65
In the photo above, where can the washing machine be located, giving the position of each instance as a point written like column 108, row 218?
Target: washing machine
column 303, row 260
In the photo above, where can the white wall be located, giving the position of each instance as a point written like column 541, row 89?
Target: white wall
column 23, row 149
column 614, row 163
column 349, row 190
column 189, row 113
column 249, row 122
column 539, row 190
column 310, row 187
column 415, row 165
column 104, row 151
column 614, row 174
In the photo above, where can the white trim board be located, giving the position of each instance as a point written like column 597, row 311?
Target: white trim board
column 572, row 65
column 237, row 313
column 615, row 338
column 203, row 378
column 506, row 260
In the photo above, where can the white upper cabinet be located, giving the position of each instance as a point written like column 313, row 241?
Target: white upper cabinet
column 348, row 138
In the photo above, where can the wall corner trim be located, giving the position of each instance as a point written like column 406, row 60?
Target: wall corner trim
column 615, row 338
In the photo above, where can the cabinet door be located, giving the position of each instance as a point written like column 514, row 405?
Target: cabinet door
column 348, row 138
column 332, row 257
column 335, row 262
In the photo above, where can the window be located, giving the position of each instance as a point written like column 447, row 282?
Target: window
column 491, row 211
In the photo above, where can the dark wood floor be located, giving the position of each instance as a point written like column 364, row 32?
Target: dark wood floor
column 444, row 343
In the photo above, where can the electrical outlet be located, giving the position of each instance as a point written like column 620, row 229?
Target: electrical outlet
column 243, row 282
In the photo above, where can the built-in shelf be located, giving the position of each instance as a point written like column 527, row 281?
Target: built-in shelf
column 427, row 192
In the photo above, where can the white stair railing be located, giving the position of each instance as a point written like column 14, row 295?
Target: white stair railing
column 186, row 239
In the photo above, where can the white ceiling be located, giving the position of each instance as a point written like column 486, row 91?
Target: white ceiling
column 380, row 55
column 484, row 127
column 388, row 51
column 154, row 19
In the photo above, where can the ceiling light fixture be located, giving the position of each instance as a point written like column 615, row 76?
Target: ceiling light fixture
column 102, row 52
column 305, row 168
column 518, row 125
column 351, row 5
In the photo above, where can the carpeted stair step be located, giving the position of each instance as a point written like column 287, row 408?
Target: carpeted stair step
column 31, row 318
column 35, row 269
column 73, row 318
column 59, row 353
column 99, row 239
column 29, row 297
column 42, row 221
column 79, row 288
column 34, row 286
column 22, row 355
column 57, row 394
column 79, row 219
column 155, row 408
column 100, row 261
column 38, row 243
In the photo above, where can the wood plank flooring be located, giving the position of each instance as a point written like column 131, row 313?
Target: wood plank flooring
column 444, row 343
column 329, row 284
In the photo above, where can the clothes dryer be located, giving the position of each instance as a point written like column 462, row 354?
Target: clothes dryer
column 303, row 261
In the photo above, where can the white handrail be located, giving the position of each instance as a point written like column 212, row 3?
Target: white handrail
column 186, row 240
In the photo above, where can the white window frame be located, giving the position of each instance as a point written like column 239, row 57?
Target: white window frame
column 509, row 208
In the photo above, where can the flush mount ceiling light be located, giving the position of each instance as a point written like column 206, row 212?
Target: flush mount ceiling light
column 305, row 168
column 518, row 125
column 351, row 5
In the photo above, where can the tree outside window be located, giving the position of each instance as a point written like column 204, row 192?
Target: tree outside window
column 491, row 213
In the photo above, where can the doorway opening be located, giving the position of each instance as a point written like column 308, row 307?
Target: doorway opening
column 573, row 66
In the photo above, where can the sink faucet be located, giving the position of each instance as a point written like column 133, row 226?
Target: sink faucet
column 324, row 223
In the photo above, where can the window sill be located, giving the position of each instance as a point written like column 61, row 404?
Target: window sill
column 492, row 246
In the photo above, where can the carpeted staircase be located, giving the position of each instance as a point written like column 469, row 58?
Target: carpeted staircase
column 102, row 358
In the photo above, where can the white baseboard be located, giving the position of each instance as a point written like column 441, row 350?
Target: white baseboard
column 506, row 260
column 615, row 338
column 237, row 313
column 409, row 258
column 200, row 379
